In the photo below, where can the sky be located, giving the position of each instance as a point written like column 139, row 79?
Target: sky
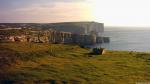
column 133, row 13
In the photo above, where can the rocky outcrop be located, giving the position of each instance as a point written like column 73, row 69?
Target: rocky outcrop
column 9, row 38
column 84, row 39
column 54, row 36
column 102, row 39
column 58, row 37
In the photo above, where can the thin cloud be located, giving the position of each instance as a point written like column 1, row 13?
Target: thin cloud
column 49, row 13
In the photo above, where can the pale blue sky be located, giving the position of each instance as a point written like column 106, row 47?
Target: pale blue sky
column 110, row 12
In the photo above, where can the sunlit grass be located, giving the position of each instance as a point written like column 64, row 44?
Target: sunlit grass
column 70, row 63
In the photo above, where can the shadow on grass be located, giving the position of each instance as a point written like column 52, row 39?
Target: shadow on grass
column 144, row 56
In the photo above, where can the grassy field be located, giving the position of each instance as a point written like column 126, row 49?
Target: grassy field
column 35, row 63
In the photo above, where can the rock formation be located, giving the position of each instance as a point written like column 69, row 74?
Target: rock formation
column 79, row 27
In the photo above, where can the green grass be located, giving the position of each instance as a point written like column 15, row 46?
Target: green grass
column 44, row 63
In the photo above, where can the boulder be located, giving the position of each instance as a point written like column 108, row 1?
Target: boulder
column 99, row 51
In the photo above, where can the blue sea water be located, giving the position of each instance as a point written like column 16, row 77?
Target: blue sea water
column 127, row 40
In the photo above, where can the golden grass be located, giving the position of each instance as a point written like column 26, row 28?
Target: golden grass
column 72, row 64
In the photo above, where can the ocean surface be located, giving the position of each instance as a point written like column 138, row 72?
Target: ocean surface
column 127, row 40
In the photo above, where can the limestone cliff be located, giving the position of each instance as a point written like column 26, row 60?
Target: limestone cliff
column 73, row 27
column 79, row 27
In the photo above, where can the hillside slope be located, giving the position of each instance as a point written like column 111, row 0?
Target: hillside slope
column 31, row 63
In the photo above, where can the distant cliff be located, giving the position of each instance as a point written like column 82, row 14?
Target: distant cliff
column 79, row 27
column 73, row 27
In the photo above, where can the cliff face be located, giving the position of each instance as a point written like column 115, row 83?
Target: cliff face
column 73, row 27
column 79, row 27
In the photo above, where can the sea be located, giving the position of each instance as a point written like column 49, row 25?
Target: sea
column 127, row 40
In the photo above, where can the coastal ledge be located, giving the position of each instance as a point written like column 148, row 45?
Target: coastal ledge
column 50, row 36
column 32, row 63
